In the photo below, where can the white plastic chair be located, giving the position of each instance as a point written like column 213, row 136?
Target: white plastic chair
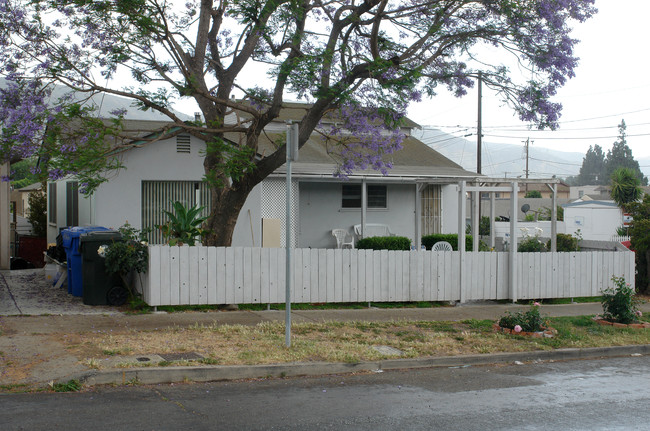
column 442, row 246
column 343, row 238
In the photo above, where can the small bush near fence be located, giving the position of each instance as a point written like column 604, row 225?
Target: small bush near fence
column 429, row 240
column 384, row 243
column 565, row 242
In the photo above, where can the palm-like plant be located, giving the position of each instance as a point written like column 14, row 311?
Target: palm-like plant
column 184, row 225
column 625, row 187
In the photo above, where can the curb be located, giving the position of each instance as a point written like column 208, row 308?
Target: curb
column 210, row 373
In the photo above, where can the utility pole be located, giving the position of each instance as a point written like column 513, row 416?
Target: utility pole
column 527, row 144
column 479, row 134
column 479, row 141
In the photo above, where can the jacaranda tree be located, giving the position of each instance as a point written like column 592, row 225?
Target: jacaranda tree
column 362, row 61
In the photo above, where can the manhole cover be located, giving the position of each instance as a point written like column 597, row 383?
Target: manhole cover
column 387, row 350
column 187, row 356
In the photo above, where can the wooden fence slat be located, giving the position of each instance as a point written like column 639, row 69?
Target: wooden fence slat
column 152, row 289
column 302, row 280
column 362, row 296
column 314, row 273
column 370, row 275
column 354, row 277
column 282, row 275
column 174, row 276
column 256, row 280
column 212, row 275
column 230, row 275
column 338, row 275
column 202, row 259
column 193, row 285
column 222, row 285
column 265, row 276
column 406, row 282
column 345, row 272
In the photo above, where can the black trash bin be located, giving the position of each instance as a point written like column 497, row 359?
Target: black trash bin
column 99, row 287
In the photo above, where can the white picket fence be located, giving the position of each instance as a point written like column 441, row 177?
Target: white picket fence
column 241, row 275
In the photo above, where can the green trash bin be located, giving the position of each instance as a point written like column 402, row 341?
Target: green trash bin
column 99, row 287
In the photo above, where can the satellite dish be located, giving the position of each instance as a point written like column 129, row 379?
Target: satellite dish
column 525, row 208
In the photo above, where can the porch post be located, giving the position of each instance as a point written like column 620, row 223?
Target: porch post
column 418, row 218
column 492, row 217
column 476, row 196
column 364, row 206
column 5, row 228
column 554, row 218
column 462, row 215
column 513, row 241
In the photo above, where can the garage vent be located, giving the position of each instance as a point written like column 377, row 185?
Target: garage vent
column 183, row 144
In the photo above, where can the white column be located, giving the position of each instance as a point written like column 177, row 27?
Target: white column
column 492, row 217
column 513, row 241
column 364, row 206
column 476, row 201
column 554, row 218
column 418, row 215
column 462, row 215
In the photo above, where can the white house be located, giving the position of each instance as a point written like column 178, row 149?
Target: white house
column 597, row 220
column 420, row 188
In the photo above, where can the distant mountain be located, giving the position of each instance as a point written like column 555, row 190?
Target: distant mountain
column 502, row 160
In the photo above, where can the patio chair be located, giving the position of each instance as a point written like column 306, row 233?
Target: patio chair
column 442, row 246
column 343, row 238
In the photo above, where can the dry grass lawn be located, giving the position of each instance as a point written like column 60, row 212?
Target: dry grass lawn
column 342, row 342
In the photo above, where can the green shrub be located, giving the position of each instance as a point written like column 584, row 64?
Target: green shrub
column 528, row 321
column 531, row 243
column 619, row 303
column 384, row 243
column 533, row 194
column 565, row 242
column 37, row 215
column 451, row 238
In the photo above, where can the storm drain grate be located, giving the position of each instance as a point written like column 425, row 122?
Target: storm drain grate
column 187, row 356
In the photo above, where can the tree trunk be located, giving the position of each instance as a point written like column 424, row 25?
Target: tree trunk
column 226, row 205
column 644, row 287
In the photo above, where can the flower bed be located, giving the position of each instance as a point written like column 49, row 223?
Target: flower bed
column 639, row 325
column 544, row 333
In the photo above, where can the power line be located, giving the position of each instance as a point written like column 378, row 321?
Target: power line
column 567, row 138
column 558, row 163
column 560, row 122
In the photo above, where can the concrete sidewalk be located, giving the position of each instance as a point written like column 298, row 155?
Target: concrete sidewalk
column 32, row 352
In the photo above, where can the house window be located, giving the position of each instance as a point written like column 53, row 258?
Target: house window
column 72, row 203
column 51, row 201
column 351, row 196
column 183, row 144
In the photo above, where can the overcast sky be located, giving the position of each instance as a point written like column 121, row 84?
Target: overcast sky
column 611, row 84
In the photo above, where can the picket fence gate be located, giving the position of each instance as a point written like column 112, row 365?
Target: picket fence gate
column 246, row 275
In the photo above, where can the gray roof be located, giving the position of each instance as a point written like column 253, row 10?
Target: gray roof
column 31, row 187
column 591, row 202
column 414, row 160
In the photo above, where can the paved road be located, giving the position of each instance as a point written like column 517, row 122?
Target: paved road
column 611, row 394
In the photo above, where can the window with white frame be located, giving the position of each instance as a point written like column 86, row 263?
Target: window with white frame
column 351, row 196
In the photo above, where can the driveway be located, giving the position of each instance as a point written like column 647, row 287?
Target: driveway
column 27, row 292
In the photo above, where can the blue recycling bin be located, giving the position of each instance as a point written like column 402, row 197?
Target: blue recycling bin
column 71, row 241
